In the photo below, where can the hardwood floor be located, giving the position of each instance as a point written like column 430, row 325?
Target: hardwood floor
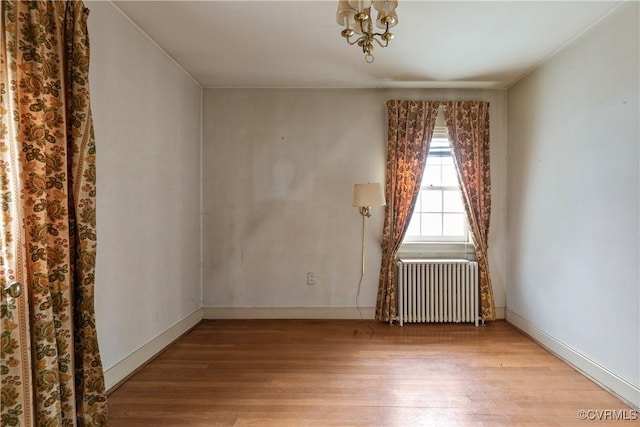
column 359, row 373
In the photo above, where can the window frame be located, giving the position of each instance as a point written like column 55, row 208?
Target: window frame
column 424, row 240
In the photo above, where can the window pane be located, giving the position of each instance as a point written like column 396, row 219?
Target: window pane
column 432, row 200
column 431, row 175
column 433, row 160
column 453, row 201
column 453, row 225
column 418, row 207
column 447, row 160
column 439, row 143
column 431, row 224
column 449, row 176
column 414, row 225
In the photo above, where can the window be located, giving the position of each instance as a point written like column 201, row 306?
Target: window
column 439, row 214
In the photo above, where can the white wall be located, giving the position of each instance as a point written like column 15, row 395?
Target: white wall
column 147, row 124
column 573, row 187
column 278, row 173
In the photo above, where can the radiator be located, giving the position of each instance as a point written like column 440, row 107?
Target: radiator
column 437, row 291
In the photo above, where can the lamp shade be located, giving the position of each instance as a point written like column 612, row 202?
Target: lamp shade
column 385, row 6
column 360, row 5
column 368, row 195
column 345, row 11
column 381, row 16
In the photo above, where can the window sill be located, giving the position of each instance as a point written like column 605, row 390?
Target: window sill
column 448, row 250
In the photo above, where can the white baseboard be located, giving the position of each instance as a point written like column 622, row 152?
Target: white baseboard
column 129, row 364
column 599, row 374
column 288, row 312
column 298, row 313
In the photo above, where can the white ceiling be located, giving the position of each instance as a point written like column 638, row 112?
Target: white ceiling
column 481, row 44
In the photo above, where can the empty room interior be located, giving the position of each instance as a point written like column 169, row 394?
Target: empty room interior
column 439, row 228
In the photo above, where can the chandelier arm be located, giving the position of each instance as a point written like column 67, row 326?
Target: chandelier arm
column 386, row 31
column 386, row 43
column 355, row 41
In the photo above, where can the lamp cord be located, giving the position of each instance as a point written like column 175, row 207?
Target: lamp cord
column 364, row 229
column 371, row 330
column 357, row 295
column 364, row 234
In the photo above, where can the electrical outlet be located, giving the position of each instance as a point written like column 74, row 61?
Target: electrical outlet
column 311, row 278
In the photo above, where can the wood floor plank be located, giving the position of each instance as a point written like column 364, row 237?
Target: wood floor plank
column 359, row 373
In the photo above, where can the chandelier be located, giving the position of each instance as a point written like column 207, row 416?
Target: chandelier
column 355, row 16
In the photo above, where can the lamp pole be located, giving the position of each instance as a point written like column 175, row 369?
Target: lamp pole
column 365, row 211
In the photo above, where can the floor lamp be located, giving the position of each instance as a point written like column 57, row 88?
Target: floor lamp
column 364, row 197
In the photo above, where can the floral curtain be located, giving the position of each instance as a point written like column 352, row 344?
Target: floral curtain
column 468, row 126
column 47, row 145
column 410, row 129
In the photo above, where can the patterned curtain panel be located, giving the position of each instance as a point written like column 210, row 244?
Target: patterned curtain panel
column 47, row 143
column 411, row 125
column 468, row 125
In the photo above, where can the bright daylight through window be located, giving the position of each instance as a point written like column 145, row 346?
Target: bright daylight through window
column 439, row 214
